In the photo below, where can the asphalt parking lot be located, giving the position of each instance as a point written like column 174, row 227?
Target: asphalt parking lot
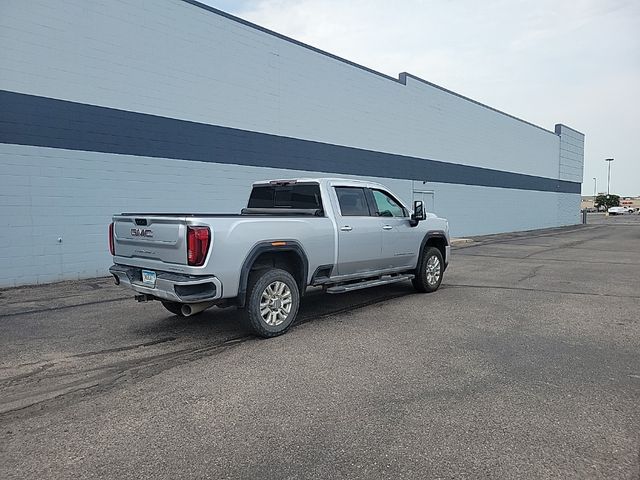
column 525, row 364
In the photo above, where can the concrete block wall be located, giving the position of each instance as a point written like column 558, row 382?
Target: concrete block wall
column 62, row 175
column 571, row 166
column 56, row 204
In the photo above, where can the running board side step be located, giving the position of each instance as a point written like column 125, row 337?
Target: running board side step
column 384, row 280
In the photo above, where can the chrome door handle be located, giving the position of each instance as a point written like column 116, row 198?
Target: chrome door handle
column 387, row 227
column 346, row 228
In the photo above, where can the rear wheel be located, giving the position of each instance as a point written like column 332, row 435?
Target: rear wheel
column 173, row 307
column 272, row 302
column 429, row 274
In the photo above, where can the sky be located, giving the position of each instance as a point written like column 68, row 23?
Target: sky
column 575, row 62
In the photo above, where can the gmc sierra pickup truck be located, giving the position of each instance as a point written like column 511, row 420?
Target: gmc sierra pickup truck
column 338, row 234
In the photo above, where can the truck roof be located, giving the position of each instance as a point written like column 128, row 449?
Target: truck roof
column 323, row 181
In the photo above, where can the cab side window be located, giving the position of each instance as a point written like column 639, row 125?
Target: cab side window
column 353, row 202
column 387, row 206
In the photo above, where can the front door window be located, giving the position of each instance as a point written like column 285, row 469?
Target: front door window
column 387, row 205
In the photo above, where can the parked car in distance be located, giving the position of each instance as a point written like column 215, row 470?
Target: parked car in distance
column 339, row 234
column 619, row 210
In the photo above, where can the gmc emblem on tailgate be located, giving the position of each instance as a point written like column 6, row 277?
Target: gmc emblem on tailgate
column 141, row 232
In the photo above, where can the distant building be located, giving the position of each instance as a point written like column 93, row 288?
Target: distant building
column 633, row 202
column 587, row 201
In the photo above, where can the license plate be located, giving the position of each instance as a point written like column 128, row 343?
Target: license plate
column 149, row 278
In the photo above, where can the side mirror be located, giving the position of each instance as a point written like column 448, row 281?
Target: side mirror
column 418, row 212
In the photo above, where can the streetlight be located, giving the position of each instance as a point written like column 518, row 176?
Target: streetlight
column 608, row 160
column 595, row 190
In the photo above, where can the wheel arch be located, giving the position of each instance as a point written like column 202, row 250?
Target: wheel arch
column 286, row 254
column 434, row 238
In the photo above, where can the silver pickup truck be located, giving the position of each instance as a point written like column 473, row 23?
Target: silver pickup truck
column 338, row 234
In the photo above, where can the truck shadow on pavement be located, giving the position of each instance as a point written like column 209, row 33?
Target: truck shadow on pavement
column 222, row 324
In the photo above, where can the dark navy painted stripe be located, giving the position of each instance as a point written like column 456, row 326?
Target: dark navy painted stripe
column 46, row 122
column 402, row 78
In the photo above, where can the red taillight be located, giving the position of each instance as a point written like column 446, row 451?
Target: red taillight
column 111, row 246
column 198, row 239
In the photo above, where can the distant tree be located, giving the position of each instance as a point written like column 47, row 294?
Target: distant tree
column 607, row 201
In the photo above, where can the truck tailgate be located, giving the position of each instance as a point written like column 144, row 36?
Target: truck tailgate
column 151, row 237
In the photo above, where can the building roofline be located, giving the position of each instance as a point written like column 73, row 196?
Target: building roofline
column 401, row 78
column 404, row 75
column 287, row 39
column 560, row 125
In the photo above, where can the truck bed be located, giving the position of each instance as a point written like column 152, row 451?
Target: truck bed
column 246, row 212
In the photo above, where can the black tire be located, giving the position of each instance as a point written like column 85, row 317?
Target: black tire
column 423, row 281
column 173, row 307
column 256, row 292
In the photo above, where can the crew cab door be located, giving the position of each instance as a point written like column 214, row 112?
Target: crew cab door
column 359, row 233
column 400, row 241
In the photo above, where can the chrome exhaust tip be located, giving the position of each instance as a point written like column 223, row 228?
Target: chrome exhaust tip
column 189, row 309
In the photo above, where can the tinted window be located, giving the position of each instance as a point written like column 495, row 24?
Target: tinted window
column 285, row 196
column 387, row 206
column 353, row 202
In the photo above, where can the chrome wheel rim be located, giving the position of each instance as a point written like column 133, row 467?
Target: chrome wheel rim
column 275, row 303
column 433, row 270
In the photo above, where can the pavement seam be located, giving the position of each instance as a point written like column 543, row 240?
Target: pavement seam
column 562, row 292
column 546, row 259
column 493, row 239
column 53, row 309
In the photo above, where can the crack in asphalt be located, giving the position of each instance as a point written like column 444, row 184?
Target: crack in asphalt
column 499, row 238
column 528, row 257
column 63, row 307
column 39, row 369
column 57, row 297
column 534, row 272
column 569, row 244
column 542, row 290
column 122, row 349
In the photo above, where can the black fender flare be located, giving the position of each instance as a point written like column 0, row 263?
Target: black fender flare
column 440, row 234
column 269, row 246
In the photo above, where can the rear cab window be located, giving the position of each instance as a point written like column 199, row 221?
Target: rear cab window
column 286, row 196
column 353, row 202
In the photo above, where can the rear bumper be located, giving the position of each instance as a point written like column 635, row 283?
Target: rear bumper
column 174, row 287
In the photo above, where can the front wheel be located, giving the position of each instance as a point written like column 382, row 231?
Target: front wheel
column 430, row 270
column 272, row 302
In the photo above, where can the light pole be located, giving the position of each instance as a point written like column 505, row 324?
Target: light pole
column 595, row 190
column 608, row 160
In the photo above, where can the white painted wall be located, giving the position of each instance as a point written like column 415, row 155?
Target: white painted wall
column 173, row 59
column 48, row 193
